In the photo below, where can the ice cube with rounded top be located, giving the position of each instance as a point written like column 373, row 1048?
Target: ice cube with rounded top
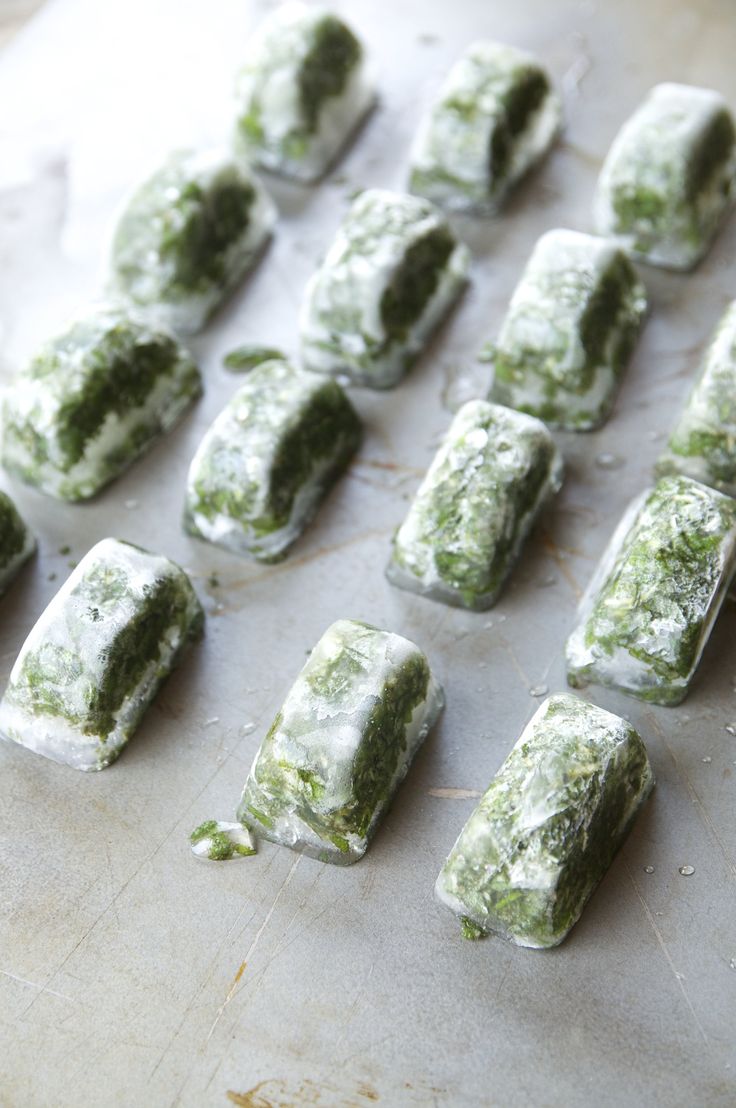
column 393, row 272
column 269, row 459
column 652, row 602
column 569, row 331
column 548, row 826
column 303, row 89
column 670, row 176
column 495, row 116
column 93, row 399
column 342, row 743
column 188, row 236
column 473, row 511
column 98, row 654
column 702, row 444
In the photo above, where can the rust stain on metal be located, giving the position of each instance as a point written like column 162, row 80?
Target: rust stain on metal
column 558, row 553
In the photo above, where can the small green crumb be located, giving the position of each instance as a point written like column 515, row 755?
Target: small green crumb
column 471, row 930
column 213, row 581
column 221, row 841
column 209, row 827
column 64, row 550
column 244, row 358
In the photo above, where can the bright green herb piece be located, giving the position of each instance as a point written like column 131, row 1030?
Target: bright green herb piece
column 17, row 543
column 342, row 743
column 92, row 400
column 703, row 442
column 389, row 278
column 475, row 507
column 495, row 116
column 220, row 841
column 98, row 654
column 188, row 236
column 548, row 826
column 569, row 331
column 245, row 358
column 269, row 459
column 649, row 609
column 301, row 92
column 670, row 176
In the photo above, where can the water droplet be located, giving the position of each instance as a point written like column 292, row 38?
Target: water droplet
column 732, row 963
column 538, row 690
column 606, row 460
column 654, row 435
column 247, row 728
column 130, row 504
column 649, row 869
column 687, row 871
column 209, row 722
column 500, row 619
column 707, row 759
column 730, row 728
column 546, row 581
column 488, row 624
column 482, row 665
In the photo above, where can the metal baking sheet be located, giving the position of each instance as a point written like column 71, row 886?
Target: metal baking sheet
column 130, row 973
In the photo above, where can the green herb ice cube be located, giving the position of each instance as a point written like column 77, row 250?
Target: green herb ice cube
column 92, row 400
column 98, row 654
column 188, row 236
column 269, row 459
column 301, row 92
column 495, row 116
column 342, row 743
column 569, row 331
column 17, row 542
column 654, row 598
column 389, row 278
column 548, row 826
column 476, row 505
column 703, row 442
column 670, row 176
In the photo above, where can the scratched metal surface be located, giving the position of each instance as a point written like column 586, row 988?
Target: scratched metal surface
column 132, row 974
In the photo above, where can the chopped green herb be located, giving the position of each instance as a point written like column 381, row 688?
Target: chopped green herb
column 244, row 358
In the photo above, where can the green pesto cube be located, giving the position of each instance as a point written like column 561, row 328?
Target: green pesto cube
column 548, row 826
column 342, row 743
column 92, row 400
column 188, row 235
column 301, row 92
column 219, row 841
column 269, row 459
column 650, row 607
column 703, row 442
column 495, row 116
column 570, row 329
column 476, row 505
column 17, row 542
column 98, row 654
column 391, row 275
column 670, row 176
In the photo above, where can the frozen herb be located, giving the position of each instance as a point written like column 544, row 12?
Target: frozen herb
column 548, row 826
column 495, row 116
column 670, row 176
column 342, row 742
